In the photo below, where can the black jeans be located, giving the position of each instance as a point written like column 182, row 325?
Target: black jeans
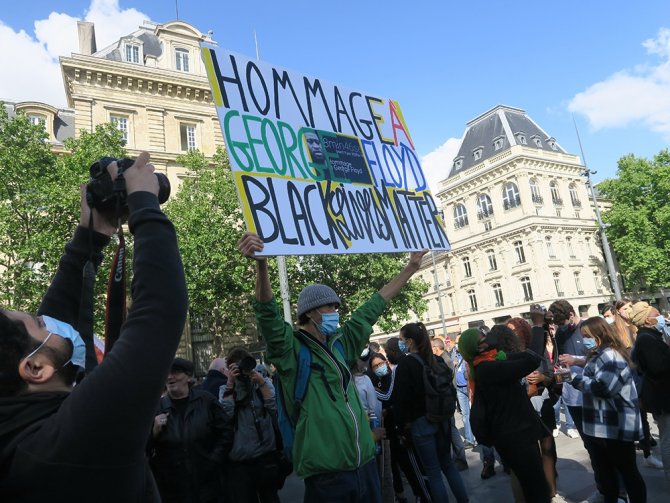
column 523, row 457
column 617, row 457
column 355, row 486
column 577, row 413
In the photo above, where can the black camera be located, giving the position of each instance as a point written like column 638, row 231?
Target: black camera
column 105, row 194
column 247, row 364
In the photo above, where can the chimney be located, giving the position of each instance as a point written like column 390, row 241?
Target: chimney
column 86, row 38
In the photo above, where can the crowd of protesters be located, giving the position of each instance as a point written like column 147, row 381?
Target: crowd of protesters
column 137, row 428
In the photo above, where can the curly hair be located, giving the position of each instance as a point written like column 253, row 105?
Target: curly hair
column 562, row 310
column 521, row 329
column 15, row 343
column 507, row 340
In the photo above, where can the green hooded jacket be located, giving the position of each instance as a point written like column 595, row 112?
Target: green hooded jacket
column 333, row 432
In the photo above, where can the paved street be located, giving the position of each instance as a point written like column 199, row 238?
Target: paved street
column 575, row 481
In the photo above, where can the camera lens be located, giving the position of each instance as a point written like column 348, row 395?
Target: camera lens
column 247, row 364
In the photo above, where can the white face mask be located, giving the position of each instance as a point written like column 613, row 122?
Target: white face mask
column 609, row 321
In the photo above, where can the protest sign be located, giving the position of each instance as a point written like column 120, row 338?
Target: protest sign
column 319, row 168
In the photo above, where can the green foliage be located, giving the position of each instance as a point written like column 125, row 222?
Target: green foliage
column 356, row 277
column 639, row 219
column 207, row 216
column 39, row 204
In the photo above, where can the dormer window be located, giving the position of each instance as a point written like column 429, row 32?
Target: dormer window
column 521, row 138
column 133, row 53
column 458, row 162
column 537, row 141
column 181, row 60
column 552, row 143
column 36, row 119
column 498, row 142
column 477, row 153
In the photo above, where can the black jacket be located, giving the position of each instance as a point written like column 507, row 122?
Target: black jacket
column 409, row 400
column 652, row 356
column 89, row 445
column 501, row 401
column 187, row 455
column 213, row 381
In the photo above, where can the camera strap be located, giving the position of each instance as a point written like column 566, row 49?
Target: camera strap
column 85, row 321
column 115, row 309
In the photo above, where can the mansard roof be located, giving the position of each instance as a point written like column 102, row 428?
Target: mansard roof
column 497, row 130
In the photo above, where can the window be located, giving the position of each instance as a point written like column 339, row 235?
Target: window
column 520, row 255
column 578, row 284
column 451, row 303
column 181, row 57
column 132, row 53
column 535, row 191
column 527, row 289
column 477, row 153
column 597, row 281
column 484, row 206
column 488, row 226
column 498, row 142
column 550, row 247
column 568, row 245
column 121, row 123
column 473, row 300
column 493, row 263
column 187, row 133
column 447, row 277
column 557, row 284
column 555, row 195
column 460, row 216
column 552, row 143
column 458, row 162
column 521, row 138
column 511, row 197
column 574, row 197
column 497, row 293
column 537, row 141
column 466, row 267
column 37, row 120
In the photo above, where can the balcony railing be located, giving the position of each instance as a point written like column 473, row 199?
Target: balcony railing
column 576, row 203
column 537, row 199
column 484, row 214
column 557, row 201
column 512, row 203
column 580, row 292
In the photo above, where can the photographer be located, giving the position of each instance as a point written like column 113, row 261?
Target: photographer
column 249, row 404
column 88, row 442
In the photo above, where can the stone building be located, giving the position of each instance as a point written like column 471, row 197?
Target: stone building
column 522, row 228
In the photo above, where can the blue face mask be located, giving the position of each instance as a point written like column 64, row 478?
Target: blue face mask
column 329, row 323
column 609, row 320
column 66, row 331
column 381, row 371
column 589, row 343
column 402, row 346
column 660, row 324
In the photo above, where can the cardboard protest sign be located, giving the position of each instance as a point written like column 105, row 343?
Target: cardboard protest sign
column 319, row 168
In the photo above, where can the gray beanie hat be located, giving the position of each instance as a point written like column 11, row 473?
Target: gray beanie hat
column 313, row 296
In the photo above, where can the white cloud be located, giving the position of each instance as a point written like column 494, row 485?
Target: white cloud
column 33, row 60
column 437, row 164
column 637, row 95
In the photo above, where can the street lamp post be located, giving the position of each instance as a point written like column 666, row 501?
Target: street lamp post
column 439, row 294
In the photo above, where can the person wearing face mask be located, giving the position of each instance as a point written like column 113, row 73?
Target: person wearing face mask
column 652, row 357
column 611, row 416
column 403, row 457
column 333, row 449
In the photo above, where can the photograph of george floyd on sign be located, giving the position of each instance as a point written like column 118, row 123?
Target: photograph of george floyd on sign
column 320, row 168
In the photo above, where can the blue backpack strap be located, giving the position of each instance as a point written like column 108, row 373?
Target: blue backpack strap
column 340, row 347
column 303, row 373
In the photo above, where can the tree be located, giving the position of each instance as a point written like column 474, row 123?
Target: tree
column 208, row 219
column 639, row 220
column 39, row 204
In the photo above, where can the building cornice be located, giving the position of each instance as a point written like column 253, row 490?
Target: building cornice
column 115, row 75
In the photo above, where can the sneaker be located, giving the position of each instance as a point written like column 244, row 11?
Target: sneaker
column 558, row 499
column 469, row 445
column 596, row 497
column 653, row 462
column 572, row 433
column 555, row 432
column 461, row 465
column 488, row 471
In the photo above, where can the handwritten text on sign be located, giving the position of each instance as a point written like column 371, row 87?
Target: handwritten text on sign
column 320, row 169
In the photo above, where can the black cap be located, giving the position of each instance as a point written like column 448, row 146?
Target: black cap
column 184, row 365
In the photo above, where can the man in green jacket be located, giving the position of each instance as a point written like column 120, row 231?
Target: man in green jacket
column 333, row 448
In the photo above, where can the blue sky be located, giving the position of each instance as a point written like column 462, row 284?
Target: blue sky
column 608, row 63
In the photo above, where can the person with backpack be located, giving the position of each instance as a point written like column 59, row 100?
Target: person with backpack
column 333, row 448
column 424, row 403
